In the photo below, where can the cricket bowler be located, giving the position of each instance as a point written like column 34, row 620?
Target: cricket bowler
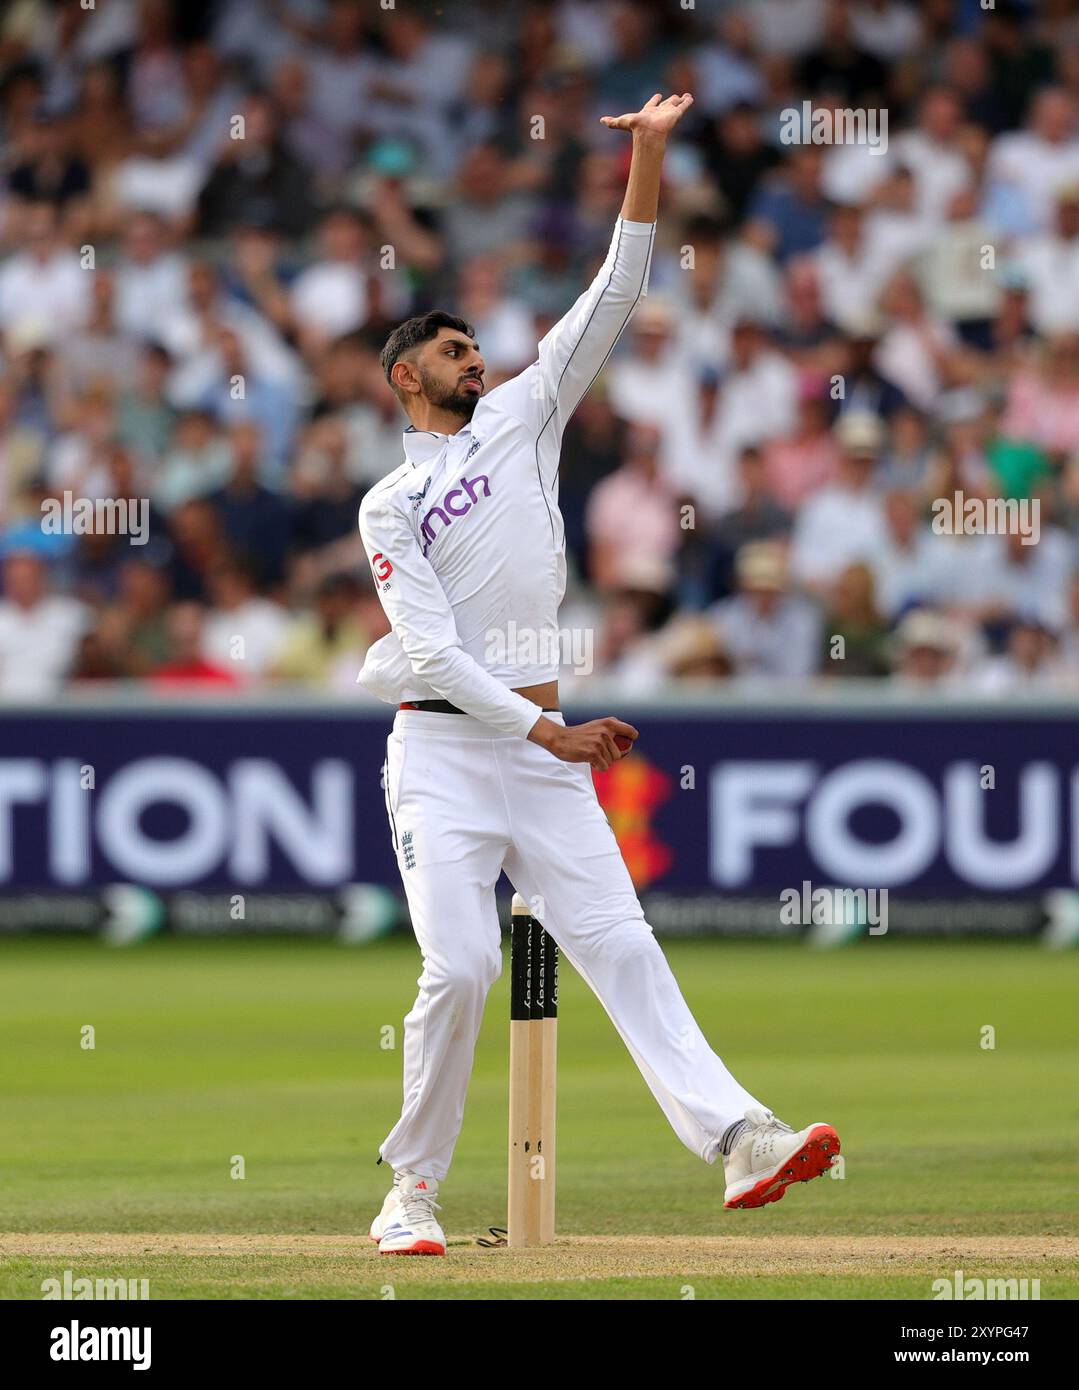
column 482, row 772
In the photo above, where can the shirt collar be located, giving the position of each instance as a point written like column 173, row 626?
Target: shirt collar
column 421, row 445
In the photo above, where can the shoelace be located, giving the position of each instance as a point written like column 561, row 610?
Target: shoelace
column 418, row 1207
column 764, row 1134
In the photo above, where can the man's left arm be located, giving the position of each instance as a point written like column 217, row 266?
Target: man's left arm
column 573, row 353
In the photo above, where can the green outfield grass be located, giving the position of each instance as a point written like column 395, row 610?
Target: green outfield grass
column 274, row 1051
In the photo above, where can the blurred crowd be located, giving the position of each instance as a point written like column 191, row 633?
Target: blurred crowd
column 212, row 213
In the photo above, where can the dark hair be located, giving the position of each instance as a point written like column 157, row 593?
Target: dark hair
column 413, row 332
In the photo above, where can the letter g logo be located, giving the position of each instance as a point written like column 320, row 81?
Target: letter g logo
column 381, row 566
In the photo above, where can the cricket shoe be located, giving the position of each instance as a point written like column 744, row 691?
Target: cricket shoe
column 407, row 1224
column 768, row 1156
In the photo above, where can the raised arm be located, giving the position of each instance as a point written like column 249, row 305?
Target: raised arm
column 650, row 127
column 574, row 351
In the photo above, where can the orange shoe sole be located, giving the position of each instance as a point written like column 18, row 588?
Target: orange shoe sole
column 814, row 1158
column 422, row 1247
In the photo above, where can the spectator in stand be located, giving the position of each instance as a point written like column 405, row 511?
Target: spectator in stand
column 844, row 522
column 241, row 394
column 145, row 420
column 690, row 649
column 768, row 630
column 132, row 632
column 255, row 520
column 632, row 511
column 1050, row 266
column 1043, row 402
column 855, row 636
column 1069, row 640
column 1036, row 163
column 487, row 214
column 757, row 402
column 866, row 390
column 758, row 517
column 647, row 383
column 78, row 460
column 805, row 334
column 789, row 214
column 256, row 168
column 918, row 352
column 327, row 501
column 839, row 64
column 895, row 228
column 43, row 287
column 334, row 295
column 48, row 171
column 1030, row 662
column 40, row 630
column 726, row 280
column 737, row 156
column 727, row 75
column 593, row 446
column 502, row 323
column 319, row 647
column 802, row 462
column 933, row 151
column 905, row 569
column 151, row 279
column 243, row 631
column 20, row 458
column 926, row 651
column 906, row 461
column 197, row 463
column 101, row 351
column 1005, row 577
column 186, row 666
column 851, row 271
column 198, row 549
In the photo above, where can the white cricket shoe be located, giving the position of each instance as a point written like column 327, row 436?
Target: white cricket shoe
column 407, row 1224
column 390, row 1207
column 768, row 1156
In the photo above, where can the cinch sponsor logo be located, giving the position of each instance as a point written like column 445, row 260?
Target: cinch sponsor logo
column 451, row 506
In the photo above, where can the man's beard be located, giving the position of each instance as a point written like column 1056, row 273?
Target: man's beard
column 457, row 402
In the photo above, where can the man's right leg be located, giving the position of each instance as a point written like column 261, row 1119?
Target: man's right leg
column 450, row 836
column 456, row 924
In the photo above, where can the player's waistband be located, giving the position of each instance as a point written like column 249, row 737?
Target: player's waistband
column 415, row 720
column 444, row 707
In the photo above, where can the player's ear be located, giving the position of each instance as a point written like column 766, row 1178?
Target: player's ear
column 405, row 377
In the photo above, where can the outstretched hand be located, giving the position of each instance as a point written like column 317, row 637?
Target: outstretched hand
column 657, row 117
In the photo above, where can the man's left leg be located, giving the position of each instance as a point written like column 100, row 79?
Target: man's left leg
column 565, row 862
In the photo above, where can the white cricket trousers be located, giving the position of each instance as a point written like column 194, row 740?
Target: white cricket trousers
column 465, row 803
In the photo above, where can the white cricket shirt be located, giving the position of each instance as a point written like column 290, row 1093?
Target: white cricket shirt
column 465, row 538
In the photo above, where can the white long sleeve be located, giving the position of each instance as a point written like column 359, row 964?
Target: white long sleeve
column 423, row 623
